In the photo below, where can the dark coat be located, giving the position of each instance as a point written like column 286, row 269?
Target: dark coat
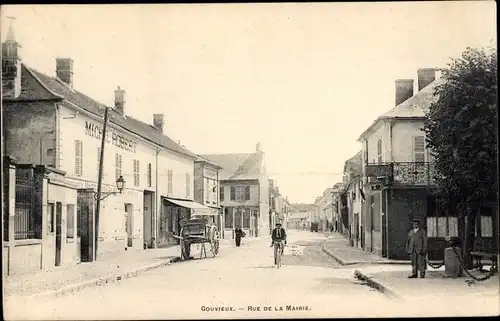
column 417, row 242
column 238, row 233
column 274, row 234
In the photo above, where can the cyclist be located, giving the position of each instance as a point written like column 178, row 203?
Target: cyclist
column 278, row 234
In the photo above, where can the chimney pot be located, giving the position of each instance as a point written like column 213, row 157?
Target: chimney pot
column 64, row 70
column 120, row 100
column 404, row 90
column 158, row 121
column 425, row 77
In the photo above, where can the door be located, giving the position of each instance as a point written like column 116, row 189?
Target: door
column 58, row 233
column 129, row 223
column 372, row 204
column 85, row 221
column 384, row 223
column 147, row 220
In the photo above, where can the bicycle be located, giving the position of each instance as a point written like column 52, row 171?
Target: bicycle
column 278, row 249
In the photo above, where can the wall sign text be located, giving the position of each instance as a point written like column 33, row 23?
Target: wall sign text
column 112, row 137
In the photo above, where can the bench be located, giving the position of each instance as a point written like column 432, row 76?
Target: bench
column 478, row 256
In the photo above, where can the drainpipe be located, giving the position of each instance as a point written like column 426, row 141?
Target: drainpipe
column 157, row 207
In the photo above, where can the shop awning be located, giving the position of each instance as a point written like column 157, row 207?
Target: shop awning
column 196, row 208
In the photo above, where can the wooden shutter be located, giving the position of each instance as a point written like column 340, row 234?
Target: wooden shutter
column 233, row 193
column 221, row 193
column 418, row 149
column 78, row 158
column 247, row 193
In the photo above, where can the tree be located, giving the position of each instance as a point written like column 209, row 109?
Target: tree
column 461, row 131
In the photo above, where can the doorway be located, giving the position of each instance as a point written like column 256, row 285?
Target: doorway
column 58, row 233
column 147, row 221
column 372, row 204
column 129, row 223
column 384, row 223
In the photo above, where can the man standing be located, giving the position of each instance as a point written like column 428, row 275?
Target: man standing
column 416, row 246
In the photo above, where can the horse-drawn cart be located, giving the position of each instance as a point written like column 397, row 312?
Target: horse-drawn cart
column 198, row 231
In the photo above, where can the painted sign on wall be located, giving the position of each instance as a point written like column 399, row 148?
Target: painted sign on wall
column 112, row 137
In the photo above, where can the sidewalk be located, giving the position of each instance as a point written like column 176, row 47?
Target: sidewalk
column 393, row 280
column 111, row 268
column 337, row 246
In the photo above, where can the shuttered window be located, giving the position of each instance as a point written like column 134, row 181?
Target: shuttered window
column 379, row 151
column 418, row 149
column 78, row 158
column 149, row 175
column 188, row 185
column 221, row 193
column 136, row 172
column 118, row 165
column 170, row 181
column 240, row 193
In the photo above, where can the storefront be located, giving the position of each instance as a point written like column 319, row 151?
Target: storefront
column 173, row 211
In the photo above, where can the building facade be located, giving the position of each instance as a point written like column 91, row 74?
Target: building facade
column 398, row 177
column 244, row 192
column 206, row 189
column 48, row 122
column 352, row 187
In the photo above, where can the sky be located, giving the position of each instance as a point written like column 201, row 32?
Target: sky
column 304, row 80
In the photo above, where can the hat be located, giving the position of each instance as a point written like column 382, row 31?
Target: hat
column 416, row 220
column 278, row 223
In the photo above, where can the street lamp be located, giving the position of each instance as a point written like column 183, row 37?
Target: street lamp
column 120, row 184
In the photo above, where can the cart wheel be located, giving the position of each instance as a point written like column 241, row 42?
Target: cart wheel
column 185, row 250
column 215, row 247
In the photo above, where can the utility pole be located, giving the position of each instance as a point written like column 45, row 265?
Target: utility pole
column 99, row 184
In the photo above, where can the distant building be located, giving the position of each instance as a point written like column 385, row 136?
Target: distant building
column 206, row 189
column 244, row 192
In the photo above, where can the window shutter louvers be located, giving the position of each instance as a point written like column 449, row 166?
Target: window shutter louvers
column 233, row 193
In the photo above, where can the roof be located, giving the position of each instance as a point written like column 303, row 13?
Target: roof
column 353, row 164
column 414, row 107
column 204, row 160
column 238, row 166
column 38, row 86
column 302, row 207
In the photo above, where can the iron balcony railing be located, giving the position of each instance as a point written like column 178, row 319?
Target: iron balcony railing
column 407, row 173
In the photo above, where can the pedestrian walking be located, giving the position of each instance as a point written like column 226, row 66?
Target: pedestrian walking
column 416, row 247
column 238, row 234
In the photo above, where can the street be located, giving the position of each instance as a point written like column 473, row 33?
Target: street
column 242, row 280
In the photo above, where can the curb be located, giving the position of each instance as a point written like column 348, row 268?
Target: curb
column 72, row 288
column 339, row 260
column 112, row 278
column 377, row 285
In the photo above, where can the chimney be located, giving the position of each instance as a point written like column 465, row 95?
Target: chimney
column 425, row 77
column 64, row 70
column 11, row 65
column 158, row 122
column 120, row 100
column 404, row 90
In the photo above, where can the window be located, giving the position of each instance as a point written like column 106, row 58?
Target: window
column 418, row 149
column 51, row 215
column 438, row 224
column 246, row 219
column 206, row 189
column 484, row 222
column 188, row 185
column 228, row 218
column 70, row 221
column 379, row 151
column 240, row 193
column 169, row 181
column 118, row 165
column 237, row 217
column 149, row 174
column 136, row 172
column 221, row 193
column 78, row 158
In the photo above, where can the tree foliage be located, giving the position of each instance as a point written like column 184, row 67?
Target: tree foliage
column 461, row 129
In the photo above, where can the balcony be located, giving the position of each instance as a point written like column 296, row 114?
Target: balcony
column 405, row 173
